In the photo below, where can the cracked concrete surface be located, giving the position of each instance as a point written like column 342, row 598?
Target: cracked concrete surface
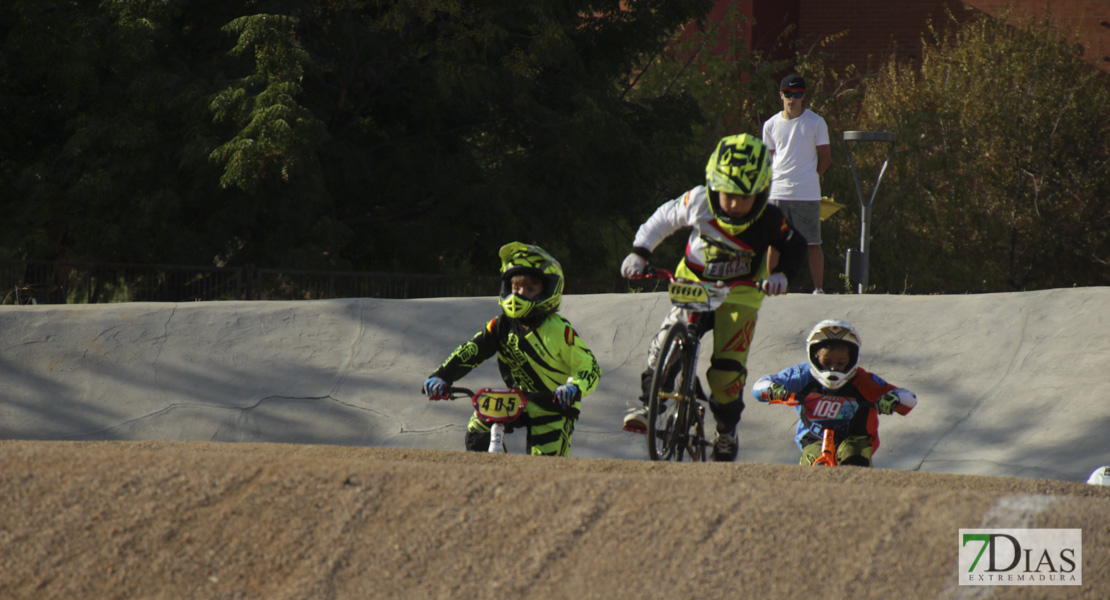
column 1008, row 383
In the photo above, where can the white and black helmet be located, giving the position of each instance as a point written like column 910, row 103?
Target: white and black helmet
column 828, row 332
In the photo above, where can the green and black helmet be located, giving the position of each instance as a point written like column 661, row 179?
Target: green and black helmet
column 522, row 259
column 741, row 165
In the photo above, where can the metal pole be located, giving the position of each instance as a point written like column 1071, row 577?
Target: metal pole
column 857, row 263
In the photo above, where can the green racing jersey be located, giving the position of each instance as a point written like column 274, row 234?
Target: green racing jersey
column 534, row 359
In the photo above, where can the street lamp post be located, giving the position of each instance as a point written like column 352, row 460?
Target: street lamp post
column 857, row 261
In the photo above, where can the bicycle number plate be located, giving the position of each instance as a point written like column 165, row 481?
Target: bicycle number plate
column 696, row 296
column 499, row 405
column 828, row 412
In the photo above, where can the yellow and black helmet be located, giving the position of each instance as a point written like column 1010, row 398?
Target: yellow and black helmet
column 740, row 164
column 522, row 259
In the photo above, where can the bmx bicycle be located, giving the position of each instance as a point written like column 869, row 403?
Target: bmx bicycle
column 502, row 408
column 497, row 406
column 827, row 417
column 676, row 402
column 824, row 427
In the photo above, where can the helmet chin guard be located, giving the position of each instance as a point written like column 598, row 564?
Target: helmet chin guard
column 833, row 332
column 516, row 306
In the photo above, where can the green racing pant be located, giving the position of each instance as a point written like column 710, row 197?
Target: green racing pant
column 548, row 432
column 854, row 450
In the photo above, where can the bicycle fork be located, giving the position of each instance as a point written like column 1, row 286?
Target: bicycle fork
column 686, row 437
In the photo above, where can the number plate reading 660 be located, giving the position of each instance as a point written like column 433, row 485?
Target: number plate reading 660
column 697, row 297
column 687, row 293
column 495, row 405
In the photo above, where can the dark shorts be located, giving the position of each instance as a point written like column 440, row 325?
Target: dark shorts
column 805, row 216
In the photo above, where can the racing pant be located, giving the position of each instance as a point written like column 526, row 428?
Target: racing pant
column 854, row 450
column 549, row 432
column 733, row 328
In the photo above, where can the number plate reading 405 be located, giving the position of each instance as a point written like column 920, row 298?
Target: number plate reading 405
column 499, row 405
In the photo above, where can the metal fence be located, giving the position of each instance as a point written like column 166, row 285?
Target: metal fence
column 49, row 282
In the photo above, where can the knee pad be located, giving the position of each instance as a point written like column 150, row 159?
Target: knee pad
column 726, row 401
column 477, row 434
column 726, row 380
column 477, row 441
column 856, row 461
column 476, row 425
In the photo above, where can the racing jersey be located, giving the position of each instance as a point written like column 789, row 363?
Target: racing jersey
column 712, row 254
column 849, row 410
column 534, row 360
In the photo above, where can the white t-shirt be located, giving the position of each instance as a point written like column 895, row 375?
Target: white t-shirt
column 794, row 165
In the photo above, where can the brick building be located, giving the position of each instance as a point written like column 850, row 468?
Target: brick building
column 877, row 28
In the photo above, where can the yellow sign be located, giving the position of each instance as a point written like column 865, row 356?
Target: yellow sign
column 686, row 293
column 499, row 404
column 829, row 207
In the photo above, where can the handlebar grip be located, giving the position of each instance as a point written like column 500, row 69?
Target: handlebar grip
column 453, row 393
column 651, row 273
column 546, row 401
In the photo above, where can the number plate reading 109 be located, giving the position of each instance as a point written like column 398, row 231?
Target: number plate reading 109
column 502, row 405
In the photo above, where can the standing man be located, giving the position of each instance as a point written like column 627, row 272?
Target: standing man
column 799, row 143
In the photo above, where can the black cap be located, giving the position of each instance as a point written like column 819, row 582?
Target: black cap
column 792, row 82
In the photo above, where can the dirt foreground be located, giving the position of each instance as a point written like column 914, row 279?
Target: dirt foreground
column 210, row 520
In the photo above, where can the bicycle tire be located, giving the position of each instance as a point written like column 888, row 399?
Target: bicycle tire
column 690, row 421
column 691, row 417
column 699, row 443
column 664, row 417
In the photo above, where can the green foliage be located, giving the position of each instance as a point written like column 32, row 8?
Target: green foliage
column 467, row 125
column 277, row 137
column 421, row 135
column 734, row 90
column 1002, row 174
column 380, row 134
column 1002, row 150
column 97, row 100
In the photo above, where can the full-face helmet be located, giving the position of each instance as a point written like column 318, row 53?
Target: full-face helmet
column 827, row 333
column 522, row 259
column 741, row 164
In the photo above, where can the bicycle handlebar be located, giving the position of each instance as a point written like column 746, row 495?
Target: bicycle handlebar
column 453, row 393
column 651, row 273
column 793, row 400
column 654, row 273
column 544, row 399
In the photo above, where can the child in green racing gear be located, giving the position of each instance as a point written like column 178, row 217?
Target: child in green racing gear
column 537, row 351
column 732, row 227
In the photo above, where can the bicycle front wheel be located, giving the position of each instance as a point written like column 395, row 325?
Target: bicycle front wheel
column 668, row 413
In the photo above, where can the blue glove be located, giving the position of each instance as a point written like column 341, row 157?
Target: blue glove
column 434, row 386
column 566, row 395
column 888, row 402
